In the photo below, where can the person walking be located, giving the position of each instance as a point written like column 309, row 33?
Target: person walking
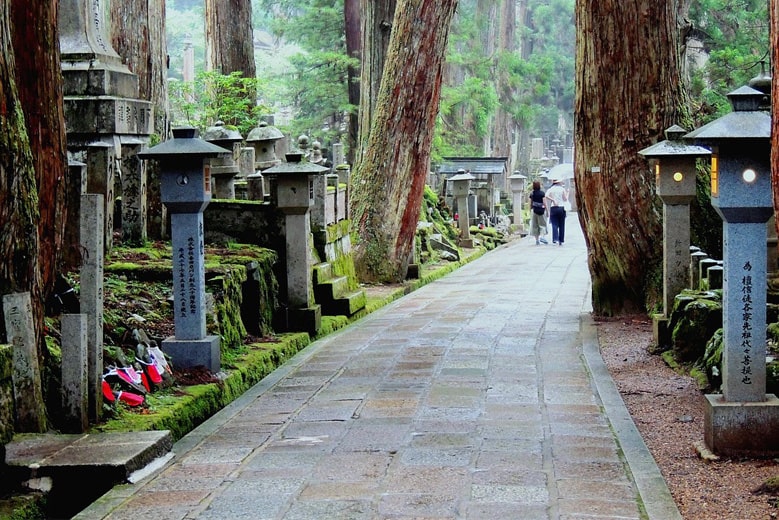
column 557, row 196
column 538, row 213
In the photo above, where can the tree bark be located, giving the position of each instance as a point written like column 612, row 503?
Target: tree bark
column 229, row 38
column 138, row 36
column 19, row 207
column 388, row 185
column 503, row 125
column 773, row 10
column 353, row 38
column 628, row 92
column 36, row 41
column 376, row 29
column 487, row 12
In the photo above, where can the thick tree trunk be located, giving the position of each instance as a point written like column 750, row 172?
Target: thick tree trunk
column 33, row 157
column 376, row 28
column 19, row 207
column 352, row 27
column 628, row 92
column 138, row 36
column 36, row 41
column 503, row 125
column 388, row 185
column 774, row 44
column 229, row 38
column 487, row 13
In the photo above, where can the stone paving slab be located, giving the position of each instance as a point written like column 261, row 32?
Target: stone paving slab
column 479, row 396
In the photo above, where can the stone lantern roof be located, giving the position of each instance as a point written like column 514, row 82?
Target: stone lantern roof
column 264, row 132
column 220, row 132
column 747, row 121
column 674, row 146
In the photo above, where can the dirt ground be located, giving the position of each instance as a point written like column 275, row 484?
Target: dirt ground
column 668, row 411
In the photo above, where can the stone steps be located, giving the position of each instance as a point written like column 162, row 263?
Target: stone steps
column 75, row 469
column 333, row 293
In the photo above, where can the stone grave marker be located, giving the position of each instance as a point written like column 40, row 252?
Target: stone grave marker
column 28, row 395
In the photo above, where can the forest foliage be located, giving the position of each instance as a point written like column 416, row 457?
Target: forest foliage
column 302, row 67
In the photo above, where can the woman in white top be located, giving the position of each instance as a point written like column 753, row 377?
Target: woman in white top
column 556, row 197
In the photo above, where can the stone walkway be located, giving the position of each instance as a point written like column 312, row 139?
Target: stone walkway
column 480, row 396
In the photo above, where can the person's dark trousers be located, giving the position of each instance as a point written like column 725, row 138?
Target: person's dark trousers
column 557, row 218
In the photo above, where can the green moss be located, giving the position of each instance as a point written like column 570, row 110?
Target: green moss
column 227, row 290
column 30, row 506
column 332, row 323
column 693, row 326
column 6, row 365
column 712, row 360
column 701, row 380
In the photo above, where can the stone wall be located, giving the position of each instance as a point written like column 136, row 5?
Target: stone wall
column 244, row 222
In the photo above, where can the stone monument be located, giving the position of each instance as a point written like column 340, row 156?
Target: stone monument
column 101, row 105
column 186, row 191
column 743, row 420
column 461, row 188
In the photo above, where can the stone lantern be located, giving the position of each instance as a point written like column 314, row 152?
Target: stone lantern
column 461, row 188
column 518, row 183
column 186, row 191
column 675, row 173
column 295, row 185
column 743, row 420
column 224, row 169
column 263, row 140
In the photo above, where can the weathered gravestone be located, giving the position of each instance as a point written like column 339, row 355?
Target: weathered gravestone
column 28, row 395
column 75, row 387
column 91, row 295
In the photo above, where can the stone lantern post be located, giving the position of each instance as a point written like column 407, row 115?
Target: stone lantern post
column 295, row 186
column 743, row 420
column 675, row 172
column 518, row 183
column 186, row 191
column 263, row 140
column 224, row 169
column 461, row 187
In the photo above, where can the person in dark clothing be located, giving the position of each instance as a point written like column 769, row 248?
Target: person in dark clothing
column 538, row 213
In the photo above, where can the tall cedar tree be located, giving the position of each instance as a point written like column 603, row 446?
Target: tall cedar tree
column 138, row 36
column 230, row 41
column 353, row 32
column 628, row 92
column 388, row 184
column 503, row 124
column 376, row 28
column 774, row 44
column 30, row 227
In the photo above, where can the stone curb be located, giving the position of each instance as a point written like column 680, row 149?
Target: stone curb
column 654, row 495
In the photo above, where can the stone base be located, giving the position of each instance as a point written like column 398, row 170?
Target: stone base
column 738, row 429
column 189, row 353
column 660, row 332
column 466, row 243
column 308, row 319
